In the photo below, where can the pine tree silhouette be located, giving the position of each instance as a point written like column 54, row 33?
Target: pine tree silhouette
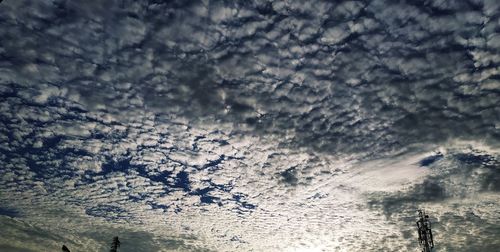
column 115, row 244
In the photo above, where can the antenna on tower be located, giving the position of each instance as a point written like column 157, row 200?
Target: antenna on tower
column 425, row 239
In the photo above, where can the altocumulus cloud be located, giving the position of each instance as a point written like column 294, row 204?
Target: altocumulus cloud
column 249, row 125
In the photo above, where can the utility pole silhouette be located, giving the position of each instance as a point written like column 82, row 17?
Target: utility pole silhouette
column 115, row 244
column 65, row 249
column 425, row 239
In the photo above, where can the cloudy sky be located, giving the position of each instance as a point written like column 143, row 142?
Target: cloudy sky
column 249, row 125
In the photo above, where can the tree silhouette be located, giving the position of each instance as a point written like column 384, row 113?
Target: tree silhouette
column 65, row 249
column 115, row 244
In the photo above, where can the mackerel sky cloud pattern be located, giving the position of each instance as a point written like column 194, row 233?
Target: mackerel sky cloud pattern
column 249, row 125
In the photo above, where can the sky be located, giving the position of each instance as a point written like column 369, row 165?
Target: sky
column 249, row 125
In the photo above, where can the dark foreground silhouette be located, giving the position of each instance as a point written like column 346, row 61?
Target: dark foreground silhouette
column 65, row 249
column 115, row 244
column 425, row 238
